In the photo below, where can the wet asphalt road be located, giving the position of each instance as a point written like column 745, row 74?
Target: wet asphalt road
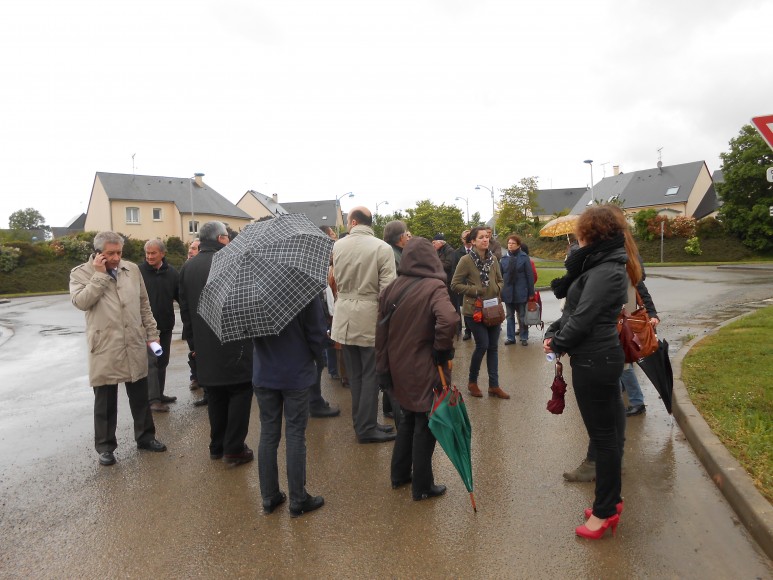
column 179, row 514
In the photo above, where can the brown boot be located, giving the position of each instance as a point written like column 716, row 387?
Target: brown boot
column 497, row 392
column 474, row 390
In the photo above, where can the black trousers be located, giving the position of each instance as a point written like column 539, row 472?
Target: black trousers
column 414, row 446
column 596, row 382
column 229, row 417
column 106, row 414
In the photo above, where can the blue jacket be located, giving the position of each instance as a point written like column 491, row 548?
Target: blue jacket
column 287, row 360
column 518, row 278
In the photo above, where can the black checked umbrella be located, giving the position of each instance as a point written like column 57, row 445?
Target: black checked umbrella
column 261, row 280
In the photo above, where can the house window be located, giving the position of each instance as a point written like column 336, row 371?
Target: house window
column 157, row 214
column 132, row 215
column 193, row 227
column 672, row 190
column 612, row 198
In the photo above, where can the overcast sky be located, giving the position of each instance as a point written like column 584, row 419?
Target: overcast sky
column 394, row 101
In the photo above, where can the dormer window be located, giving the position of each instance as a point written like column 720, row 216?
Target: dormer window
column 612, row 198
column 672, row 190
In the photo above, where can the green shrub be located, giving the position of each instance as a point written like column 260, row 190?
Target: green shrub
column 9, row 258
column 72, row 248
column 683, row 226
column 641, row 222
column 710, row 227
column 174, row 245
column 133, row 250
column 693, row 246
column 654, row 225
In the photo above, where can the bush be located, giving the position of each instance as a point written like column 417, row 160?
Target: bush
column 641, row 221
column 683, row 226
column 9, row 258
column 71, row 248
column 174, row 245
column 710, row 227
column 693, row 246
column 133, row 250
column 654, row 224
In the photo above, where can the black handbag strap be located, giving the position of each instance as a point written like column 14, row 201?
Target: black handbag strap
column 397, row 302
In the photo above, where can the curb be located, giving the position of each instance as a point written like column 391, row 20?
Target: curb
column 754, row 511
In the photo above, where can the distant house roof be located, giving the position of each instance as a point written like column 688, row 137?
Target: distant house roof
column 651, row 188
column 76, row 224
column 268, row 202
column 553, row 201
column 171, row 189
column 322, row 213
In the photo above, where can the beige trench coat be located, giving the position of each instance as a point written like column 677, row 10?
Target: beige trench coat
column 363, row 266
column 119, row 322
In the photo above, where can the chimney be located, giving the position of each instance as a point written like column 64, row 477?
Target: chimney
column 616, row 169
column 197, row 179
column 275, row 197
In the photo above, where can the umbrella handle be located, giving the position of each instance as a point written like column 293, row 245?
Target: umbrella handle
column 442, row 377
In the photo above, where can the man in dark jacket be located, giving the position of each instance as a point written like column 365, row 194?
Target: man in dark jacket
column 224, row 370
column 284, row 372
column 518, row 288
column 449, row 260
column 161, row 281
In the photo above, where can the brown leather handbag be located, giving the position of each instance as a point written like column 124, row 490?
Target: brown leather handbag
column 493, row 315
column 637, row 335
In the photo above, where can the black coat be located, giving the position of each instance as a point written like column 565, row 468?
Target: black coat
column 588, row 324
column 162, row 286
column 216, row 364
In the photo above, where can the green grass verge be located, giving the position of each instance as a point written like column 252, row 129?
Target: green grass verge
column 545, row 275
column 729, row 376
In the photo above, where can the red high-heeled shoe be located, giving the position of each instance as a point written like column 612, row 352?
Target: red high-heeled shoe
column 610, row 522
column 589, row 511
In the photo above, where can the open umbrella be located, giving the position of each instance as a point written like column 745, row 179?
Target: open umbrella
column 556, row 403
column 657, row 367
column 559, row 226
column 450, row 425
column 261, row 280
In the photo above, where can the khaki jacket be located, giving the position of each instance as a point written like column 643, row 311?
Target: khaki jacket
column 363, row 266
column 119, row 322
column 466, row 281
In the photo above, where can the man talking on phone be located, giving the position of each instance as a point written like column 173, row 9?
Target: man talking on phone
column 119, row 329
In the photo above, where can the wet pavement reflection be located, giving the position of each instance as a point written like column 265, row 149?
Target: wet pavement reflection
column 180, row 514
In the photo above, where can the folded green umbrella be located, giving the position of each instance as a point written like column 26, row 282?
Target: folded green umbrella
column 450, row 425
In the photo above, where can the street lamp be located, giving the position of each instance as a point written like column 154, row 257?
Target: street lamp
column 381, row 203
column 338, row 205
column 193, row 229
column 493, row 210
column 467, row 201
column 338, row 199
column 590, row 162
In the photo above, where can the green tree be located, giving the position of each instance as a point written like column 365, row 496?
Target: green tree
column 745, row 193
column 428, row 219
column 517, row 205
column 641, row 222
column 475, row 220
column 380, row 220
column 27, row 219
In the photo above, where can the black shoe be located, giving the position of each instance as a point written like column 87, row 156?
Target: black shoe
column 167, row 399
column 216, row 455
column 201, row 402
column 106, row 458
column 508, row 342
column 399, row 483
column 152, row 445
column 239, row 458
column 159, row 407
column 389, row 414
column 433, row 491
column 467, row 335
column 270, row 504
column 635, row 410
column 311, row 503
column 525, row 342
column 194, row 385
column 385, row 428
column 324, row 410
column 377, row 437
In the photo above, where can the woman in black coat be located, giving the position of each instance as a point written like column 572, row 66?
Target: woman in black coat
column 595, row 288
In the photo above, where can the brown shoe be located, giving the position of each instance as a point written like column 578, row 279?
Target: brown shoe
column 497, row 392
column 159, row 407
column 474, row 390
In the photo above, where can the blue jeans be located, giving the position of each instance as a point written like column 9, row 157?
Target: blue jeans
column 486, row 343
column 630, row 385
column 295, row 403
column 516, row 309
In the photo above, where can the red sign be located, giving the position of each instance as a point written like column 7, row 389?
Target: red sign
column 763, row 125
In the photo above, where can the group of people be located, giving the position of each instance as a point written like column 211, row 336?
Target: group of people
column 398, row 282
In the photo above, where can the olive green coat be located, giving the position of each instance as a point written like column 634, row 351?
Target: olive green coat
column 466, row 281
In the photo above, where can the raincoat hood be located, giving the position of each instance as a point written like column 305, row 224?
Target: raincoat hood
column 421, row 260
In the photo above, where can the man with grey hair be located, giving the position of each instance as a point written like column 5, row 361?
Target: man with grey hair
column 119, row 330
column 363, row 266
column 396, row 235
column 161, row 281
column 224, row 370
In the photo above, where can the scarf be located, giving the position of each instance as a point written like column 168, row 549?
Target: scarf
column 484, row 267
column 575, row 263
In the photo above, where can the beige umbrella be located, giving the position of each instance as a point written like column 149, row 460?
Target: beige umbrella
column 559, row 226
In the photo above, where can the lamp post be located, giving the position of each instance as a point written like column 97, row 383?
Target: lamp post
column 590, row 162
column 338, row 206
column 381, row 203
column 467, row 201
column 493, row 210
column 193, row 229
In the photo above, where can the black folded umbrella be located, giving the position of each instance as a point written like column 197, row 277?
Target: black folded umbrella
column 657, row 367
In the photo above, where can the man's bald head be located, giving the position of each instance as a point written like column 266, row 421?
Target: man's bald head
column 360, row 216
